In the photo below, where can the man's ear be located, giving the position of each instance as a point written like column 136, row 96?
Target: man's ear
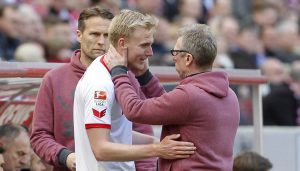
column 189, row 59
column 121, row 43
column 78, row 35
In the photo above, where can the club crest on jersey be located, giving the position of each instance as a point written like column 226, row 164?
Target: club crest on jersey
column 99, row 114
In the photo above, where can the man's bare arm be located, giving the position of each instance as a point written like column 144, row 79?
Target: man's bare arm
column 104, row 150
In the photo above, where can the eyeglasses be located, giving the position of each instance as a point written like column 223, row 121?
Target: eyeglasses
column 176, row 52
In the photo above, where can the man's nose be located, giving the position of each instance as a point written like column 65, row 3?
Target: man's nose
column 174, row 58
column 25, row 160
column 101, row 40
column 149, row 52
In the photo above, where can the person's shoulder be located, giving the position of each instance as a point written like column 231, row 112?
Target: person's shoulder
column 55, row 75
column 58, row 70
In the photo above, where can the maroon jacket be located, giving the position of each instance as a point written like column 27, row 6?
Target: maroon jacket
column 202, row 108
column 52, row 127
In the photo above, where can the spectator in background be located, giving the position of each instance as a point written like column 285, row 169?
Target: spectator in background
column 190, row 11
column 14, row 139
column 281, row 106
column 251, row 161
column 222, row 8
column 227, row 28
column 264, row 14
column 32, row 28
column 249, row 54
column 58, row 40
column 275, row 72
column 41, row 7
column 30, row 52
column 287, row 33
column 52, row 128
column 9, row 34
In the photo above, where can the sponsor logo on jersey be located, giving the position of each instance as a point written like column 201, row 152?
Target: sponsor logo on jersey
column 100, row 98
column 100, row 95
column 99, row 114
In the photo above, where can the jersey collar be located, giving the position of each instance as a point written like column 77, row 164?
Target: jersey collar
column 102, row 61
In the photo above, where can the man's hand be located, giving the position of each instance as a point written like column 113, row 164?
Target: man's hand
column 71, row 161
column 168, row 148
column 114, row 58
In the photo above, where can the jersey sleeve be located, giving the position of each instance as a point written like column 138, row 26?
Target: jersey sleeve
column 97, row 108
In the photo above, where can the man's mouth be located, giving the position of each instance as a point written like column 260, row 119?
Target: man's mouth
column 99, row 50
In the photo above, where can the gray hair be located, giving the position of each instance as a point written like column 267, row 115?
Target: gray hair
column 9, row 132
column 200, row 42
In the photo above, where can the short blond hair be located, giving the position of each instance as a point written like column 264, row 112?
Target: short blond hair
column 124, row 24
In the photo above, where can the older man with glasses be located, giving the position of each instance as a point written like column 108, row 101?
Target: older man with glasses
column 202, row 108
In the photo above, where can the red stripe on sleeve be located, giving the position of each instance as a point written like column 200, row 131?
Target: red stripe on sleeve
column 88, row 126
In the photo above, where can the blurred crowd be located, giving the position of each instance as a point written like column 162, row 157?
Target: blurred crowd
column 251, row 34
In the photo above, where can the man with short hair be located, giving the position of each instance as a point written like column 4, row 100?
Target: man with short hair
column 14, row 139
column 202, row 108
column 52, row 136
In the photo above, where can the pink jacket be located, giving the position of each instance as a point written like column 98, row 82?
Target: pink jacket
column 202, row 108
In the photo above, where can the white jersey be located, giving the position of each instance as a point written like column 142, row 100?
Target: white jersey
column 95, row 106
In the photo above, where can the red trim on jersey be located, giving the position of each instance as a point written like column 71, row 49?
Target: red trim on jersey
column 102, row 61
column 88, row 126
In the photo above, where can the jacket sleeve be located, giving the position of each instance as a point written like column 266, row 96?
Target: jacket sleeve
column 42, row 136
column 170, row 108
column 150, row 85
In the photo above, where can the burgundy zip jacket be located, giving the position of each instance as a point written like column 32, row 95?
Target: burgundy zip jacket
column 202, row 109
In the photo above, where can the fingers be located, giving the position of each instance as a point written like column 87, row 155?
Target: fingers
column 173, row 136
column 125, row 54
column 184, row 143
column 182, row 154
column 115, row 58
column 184, row 148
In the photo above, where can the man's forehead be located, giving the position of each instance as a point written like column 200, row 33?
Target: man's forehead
column 142, row 36
column 178, row 42
column 143, row 31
